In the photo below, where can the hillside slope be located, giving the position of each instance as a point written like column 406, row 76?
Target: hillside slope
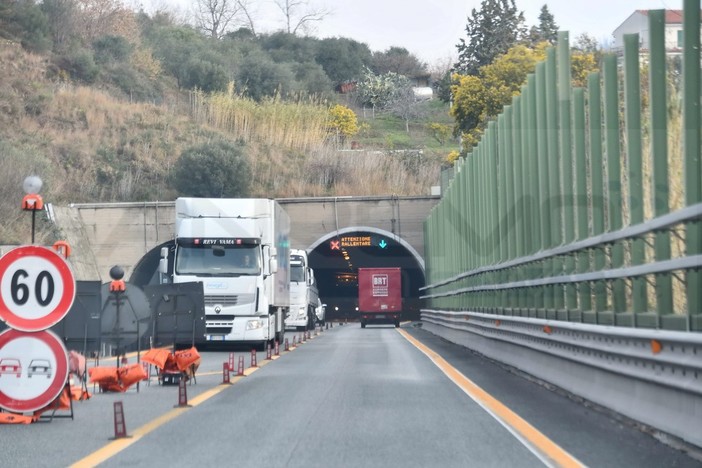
column 88, row 146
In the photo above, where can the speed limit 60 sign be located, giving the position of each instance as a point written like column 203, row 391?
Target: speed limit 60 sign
column 37, row 288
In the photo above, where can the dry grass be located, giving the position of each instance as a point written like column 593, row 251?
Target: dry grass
column 89, row 146
column 297, row 125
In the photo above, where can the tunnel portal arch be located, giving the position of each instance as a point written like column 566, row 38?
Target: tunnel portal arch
column 335, row 258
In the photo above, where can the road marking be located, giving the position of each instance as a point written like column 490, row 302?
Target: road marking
column 116, row 446
column 540, row 445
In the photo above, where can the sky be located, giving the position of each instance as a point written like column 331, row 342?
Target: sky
column 430, row 29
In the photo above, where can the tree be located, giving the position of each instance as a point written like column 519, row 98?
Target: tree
column 61, row 15
column 112, row 49
column 299, row 15
column 547, row 30
column 216, row 17
column 343, row 59
column 379, row 91
column 189, row 57
column 477, row 99
column 343, row 122
column 286, row 47
column 586, row 43
column 491, row 31
column 581, row 65
column 261, row 77
column 216, row 169
column 96, row 18
column 24, row 21
column 440, row 132
column 405, row 105
column 310, row 78
column 397, row 60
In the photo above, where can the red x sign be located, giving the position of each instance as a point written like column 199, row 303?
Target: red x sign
column 334, row 245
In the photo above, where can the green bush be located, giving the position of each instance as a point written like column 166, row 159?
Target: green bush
column 80, row 65
column 217, row 169
column 112, row 49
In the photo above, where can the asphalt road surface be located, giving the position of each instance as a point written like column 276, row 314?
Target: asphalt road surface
column 350, row 397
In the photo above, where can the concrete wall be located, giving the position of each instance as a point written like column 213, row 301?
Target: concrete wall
column 106, row 234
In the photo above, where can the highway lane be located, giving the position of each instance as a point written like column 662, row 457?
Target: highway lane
column 352, row 398
column 349, row 397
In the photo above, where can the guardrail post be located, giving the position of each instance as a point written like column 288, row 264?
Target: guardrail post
column 692, row 147
column 566, row 166
column 580, row 201
column 554, row 177
column 659, row 154
column 632, row 105
column 614, row 183
column 544, row 198
column 597, row 199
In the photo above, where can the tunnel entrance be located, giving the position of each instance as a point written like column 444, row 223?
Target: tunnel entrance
column 337, row 257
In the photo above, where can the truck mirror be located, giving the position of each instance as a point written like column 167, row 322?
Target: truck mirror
column 273, row 265
column 164, row 252
column 163, row 265
column 310, row 277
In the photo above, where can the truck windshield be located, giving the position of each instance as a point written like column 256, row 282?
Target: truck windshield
column 229, row 260
column 297, row 273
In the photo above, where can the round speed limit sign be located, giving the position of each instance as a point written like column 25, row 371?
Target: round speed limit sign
column 37, row 288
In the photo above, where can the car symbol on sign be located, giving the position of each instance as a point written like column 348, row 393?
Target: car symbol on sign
column 10, row 366
column 39, row 367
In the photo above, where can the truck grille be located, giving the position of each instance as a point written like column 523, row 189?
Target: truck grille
column 218, row 330
column 220, row 318
column 229, row 300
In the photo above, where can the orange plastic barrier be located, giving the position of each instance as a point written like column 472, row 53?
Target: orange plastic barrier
column 12, row 418
column 78, row 394
column 103, row 375
column 187, row 357
column 157, row 357
column 76, row 363
column 131, row 374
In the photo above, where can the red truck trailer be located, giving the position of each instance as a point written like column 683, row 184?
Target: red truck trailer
column 379, row 295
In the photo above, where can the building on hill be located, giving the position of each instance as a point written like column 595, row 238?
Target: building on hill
column 637, row 22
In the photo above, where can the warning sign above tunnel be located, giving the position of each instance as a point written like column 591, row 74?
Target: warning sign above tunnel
column 355, row 241
column 343, row 242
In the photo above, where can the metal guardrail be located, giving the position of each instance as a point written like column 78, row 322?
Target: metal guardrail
column 653, row 377
column 667, row 358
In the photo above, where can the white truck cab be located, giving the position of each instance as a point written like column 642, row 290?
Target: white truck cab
column 304, row 297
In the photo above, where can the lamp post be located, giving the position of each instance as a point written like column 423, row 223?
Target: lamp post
column 117, row 287
column 32, row 200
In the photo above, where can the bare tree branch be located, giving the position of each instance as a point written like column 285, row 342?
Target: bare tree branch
column 246, row 10
column 215, row 17
column 299, row 14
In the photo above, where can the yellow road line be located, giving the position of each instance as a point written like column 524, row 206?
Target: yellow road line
column 541, row 445
column 116, row 446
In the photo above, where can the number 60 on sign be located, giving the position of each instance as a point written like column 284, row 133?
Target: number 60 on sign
column 37, row 288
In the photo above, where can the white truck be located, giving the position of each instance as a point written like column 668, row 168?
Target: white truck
column 304, row 297
column 238, row 249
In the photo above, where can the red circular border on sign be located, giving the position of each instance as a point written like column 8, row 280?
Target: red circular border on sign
column 64, row 305
column 60, row 376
